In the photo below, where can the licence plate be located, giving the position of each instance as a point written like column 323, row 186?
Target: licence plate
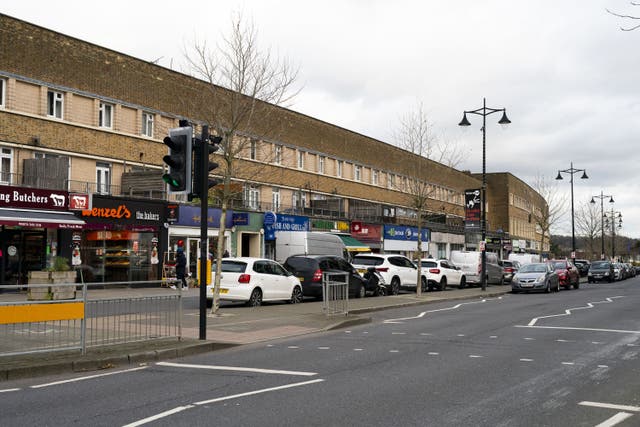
column 526, row 285
column 223, row 290
column 301, row 279
column 362, row 270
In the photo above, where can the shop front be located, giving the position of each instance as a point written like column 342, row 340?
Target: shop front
column 184, row 230
column 404, row 239
column 368, row 234
column 35, row 226
column 122, row 240
column 247, row 233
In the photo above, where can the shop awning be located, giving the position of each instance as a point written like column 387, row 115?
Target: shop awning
column 40, row 219
column 354, row 245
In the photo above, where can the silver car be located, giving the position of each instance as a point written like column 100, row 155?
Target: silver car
column 535, row 277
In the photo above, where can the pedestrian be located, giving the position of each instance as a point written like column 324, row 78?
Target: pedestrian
column 181, row 264
column 225, row 254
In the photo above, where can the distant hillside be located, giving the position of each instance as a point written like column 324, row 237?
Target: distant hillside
column 625, row 248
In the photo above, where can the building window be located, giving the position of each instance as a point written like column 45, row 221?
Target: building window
column 147, row 124
column 251, row 197
column 275, row 199
column 3, row 90
column 277, row 155
column 105, row 115
column 253, row 149
column 300, row 159
column 6, row 165
column 321, row 160
column 339, row 169
column 392, row 181
column 442, row 250
column 357, row 173
column 299, row 199
column 374, row 177
column 55, row 104
column 103, row 178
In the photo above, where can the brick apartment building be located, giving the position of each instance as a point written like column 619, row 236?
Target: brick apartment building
column 80, row 118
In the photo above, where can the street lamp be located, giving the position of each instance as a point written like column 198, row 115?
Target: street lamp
column 601, row 197
column 614, row 215
column 484, row 112
column 572, row 171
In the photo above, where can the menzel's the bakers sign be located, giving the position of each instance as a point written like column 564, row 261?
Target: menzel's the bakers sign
column 33, row 198
column 122, row 211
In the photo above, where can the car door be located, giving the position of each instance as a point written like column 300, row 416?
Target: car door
column 408, row 271
column 260, row 277
column 453, row 275
column 282, row 284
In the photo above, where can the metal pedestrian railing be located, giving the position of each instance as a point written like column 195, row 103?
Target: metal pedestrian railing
column 67, row 320
column 335, row 293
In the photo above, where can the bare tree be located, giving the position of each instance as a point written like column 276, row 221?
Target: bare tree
column 589, row 225
column 629, row 17
column 547, row 218
column 416, row 135
column 245, row 86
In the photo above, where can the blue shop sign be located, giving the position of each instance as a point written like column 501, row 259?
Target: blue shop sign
column 190, row 217
column 284, row 223
column 241, row 218
column 406, row 233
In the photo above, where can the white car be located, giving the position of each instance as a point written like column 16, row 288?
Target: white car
column 441, row 273
column 254, row 280
column 398, row 271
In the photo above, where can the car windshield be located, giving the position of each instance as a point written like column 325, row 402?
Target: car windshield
column 368, row 260
column 231, row 266
column 600, row 264
column 558, row 265
column 533, row 268
column 300, row 263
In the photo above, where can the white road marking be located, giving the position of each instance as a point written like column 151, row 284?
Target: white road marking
column 425, row 334
column 460, row 335
column 455, row 307
column 610, row 406
column 596, row 342
column 293, row 347
column 394, row 351
column 493, row 336
column 88, row 377
column 603, row 366
column 324, row 348
column 568, row 312
column 529, row 339
column 568, row 363
column 616, row 419
column 347, row 332
column 563, row 341
column 237, row 369
column 618, row 331
column 219, row 399
column 398, row 333
column 433, row 353
column 357, row 349
column 475, row 356
column 7, row 390
column 526, row 360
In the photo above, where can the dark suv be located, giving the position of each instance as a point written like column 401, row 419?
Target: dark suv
column 601, row 271
column 309, row 269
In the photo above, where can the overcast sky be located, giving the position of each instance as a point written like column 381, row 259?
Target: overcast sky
column 563, row 69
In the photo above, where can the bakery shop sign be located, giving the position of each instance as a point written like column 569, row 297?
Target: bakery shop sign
column 33, row 198
column 121, row 211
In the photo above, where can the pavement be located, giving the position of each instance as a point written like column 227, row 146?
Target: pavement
column 234, row 325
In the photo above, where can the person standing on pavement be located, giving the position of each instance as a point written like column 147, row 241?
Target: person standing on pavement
column 181, row 264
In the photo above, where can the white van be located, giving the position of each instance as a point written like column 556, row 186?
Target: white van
column 470, row 262
column 290, row 243
column 524, row 258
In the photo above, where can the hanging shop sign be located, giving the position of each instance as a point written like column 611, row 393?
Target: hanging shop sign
column 79, row 201
column 33, row 198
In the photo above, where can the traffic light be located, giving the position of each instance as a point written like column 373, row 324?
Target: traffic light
column 200, row 175
column 180, row 144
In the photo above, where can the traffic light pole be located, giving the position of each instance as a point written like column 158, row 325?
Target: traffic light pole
column 204, row 249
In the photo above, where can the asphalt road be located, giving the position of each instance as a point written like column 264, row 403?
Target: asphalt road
column 560, row 359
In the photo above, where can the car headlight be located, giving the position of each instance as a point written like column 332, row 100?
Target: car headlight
column 539, row 279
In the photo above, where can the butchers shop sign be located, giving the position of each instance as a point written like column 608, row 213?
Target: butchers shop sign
column 33, row 198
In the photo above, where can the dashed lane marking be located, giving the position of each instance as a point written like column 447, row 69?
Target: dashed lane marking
column 8, row 390
column 236, row 369
column 433, row 353
column 526, row 360
column 475, row 356
column 455, row 307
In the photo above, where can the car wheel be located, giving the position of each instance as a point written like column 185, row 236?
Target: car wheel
column 361, row 292
column 395, row 286
column 255, row 300
column 296, row 296
column 514, row 291
column 463, row 283
column 381, row 291
column 443, row 283
column 424, row 286
column 576, row 285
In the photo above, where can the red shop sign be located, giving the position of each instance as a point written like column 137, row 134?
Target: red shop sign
column 33, row 198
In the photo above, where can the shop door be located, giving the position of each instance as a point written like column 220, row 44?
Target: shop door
column 22, row 251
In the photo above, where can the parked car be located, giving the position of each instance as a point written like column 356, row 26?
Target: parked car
column 509, row 268
column 632, row 270
column 567, row 273
column 254, row 280
column 618, row 271
column 524, row 258
column 441, row 273
column 583, row 266
column 539, row 276
column 310, row 268
column 399, row 272
column 601, row 271
column 470, row 262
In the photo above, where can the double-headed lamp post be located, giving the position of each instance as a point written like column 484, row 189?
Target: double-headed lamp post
column 601, row 197
column 611, row 221
column 484, row 112
column 572, row 171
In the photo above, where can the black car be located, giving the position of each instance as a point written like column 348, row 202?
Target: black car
column 310, row 268
column 601, row 271
column 583, row 266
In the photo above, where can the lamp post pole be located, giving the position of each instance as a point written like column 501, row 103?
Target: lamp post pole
column 601, row 197
column 572, row 171
column 484, row 112
column 614, row 215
